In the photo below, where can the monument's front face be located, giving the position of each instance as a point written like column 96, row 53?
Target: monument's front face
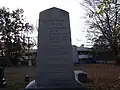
column 54, row 56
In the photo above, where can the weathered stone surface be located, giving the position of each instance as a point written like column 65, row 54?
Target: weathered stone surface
column 54, row 55
column 81, row 76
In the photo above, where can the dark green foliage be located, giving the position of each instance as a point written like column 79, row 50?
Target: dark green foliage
column 102, row 50
column 13, row 31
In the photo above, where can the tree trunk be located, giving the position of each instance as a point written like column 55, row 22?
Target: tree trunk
column 114, row 47
column 117, row 57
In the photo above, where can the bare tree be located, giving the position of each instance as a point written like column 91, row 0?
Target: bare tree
column 103, row 18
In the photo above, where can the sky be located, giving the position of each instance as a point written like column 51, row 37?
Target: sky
column 32, row 8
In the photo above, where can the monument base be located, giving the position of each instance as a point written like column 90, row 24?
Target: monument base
column 33, row 86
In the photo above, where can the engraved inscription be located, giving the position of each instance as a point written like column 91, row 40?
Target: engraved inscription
column 54, row 60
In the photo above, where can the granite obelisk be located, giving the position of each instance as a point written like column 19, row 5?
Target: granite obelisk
column 54, row 55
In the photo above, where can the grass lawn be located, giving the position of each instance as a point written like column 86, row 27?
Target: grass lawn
column 15, row 77
column 102, row 75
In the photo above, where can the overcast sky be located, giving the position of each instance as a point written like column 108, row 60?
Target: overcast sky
column 33, row 7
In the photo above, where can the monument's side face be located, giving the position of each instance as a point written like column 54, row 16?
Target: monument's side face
column 54, row 55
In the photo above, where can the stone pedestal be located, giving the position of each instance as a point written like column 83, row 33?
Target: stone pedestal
column 33, row 86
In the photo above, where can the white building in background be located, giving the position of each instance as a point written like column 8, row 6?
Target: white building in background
column 82, row 55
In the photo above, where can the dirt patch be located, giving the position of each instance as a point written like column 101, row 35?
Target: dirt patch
column 105, row 76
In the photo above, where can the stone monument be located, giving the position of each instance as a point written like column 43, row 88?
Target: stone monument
column 54, row 55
